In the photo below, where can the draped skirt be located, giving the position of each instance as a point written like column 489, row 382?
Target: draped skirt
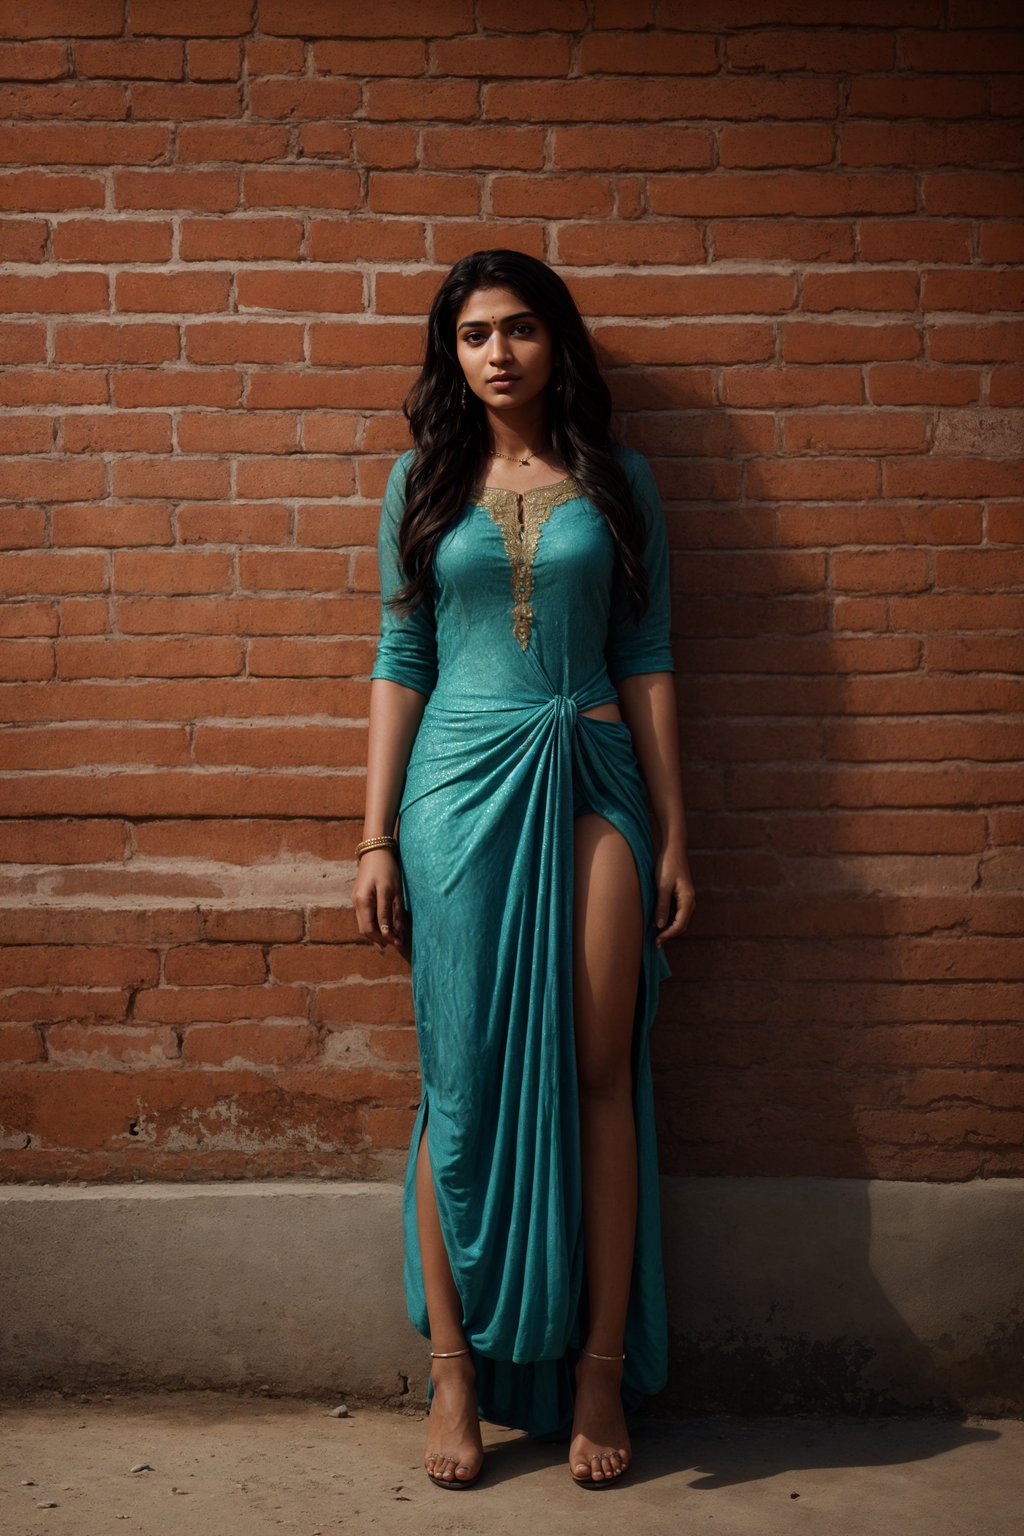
column 486, row 818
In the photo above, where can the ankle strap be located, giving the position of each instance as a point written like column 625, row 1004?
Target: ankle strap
column 590, row 1352
column 447, row 1354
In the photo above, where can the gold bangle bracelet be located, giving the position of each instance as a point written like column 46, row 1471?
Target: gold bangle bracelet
column 385, row 841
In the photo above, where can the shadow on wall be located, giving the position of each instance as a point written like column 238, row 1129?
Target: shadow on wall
column 819, row 1027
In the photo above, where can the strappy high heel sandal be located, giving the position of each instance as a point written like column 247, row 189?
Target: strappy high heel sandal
column 616, row 1477
column 455, row 1482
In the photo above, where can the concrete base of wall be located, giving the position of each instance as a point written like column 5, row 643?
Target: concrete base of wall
column 785, row 1295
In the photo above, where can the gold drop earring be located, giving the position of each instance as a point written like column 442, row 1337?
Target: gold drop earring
column 462, row 402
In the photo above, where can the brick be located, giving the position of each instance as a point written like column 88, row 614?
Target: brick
column 551, row 196
column 421, row 100
column 351, row 344
column 111, row 526
column 172, row 292
column 362, row 57
column 21, row 1043
column 470, row 148
column 993, row 341
column 298, row 100
column 639, row 53
column 102, row 18
column 877, row 290
column 34, row 191
column 453, row 238
column 986, row 51
column 772, row 386
column 325, row 140
column 973, row 192
column 42, row 965
column 188, row 18
column 1002, row 242
column 767, row 144
column 398, row 192
column 531, row 16
column 953, row 477
column 155, row 658
column 22, row 240
column 367, row 240
column 896, row 97
column 33, row 61
column 797, row 192
column 287, row 188
column 810, row 341
column 29, row 575
column 181, row 102
column 249, row 1044
column 917, row 239
column 851, row 431
column 390, row 18
column 210, row 523
column 819, row 49
column 244, row 142
column 684, row 343
column 214, row 965
column 308, row 291
column 114, row 239
column 695, row 294
column 1006, row 386
column 977, row 291
column 673, row 242
column 539, row 55
column 124, row 60
column 272, row 56
column 609, row 100
column 214, row 60
column 387, row 148
column 911, row 384
column 600, row 148
column 902, row 144
column 243, row 341
column 69, row 293
column 90, row 1045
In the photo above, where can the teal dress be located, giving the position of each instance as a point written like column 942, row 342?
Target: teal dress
column 527, row 626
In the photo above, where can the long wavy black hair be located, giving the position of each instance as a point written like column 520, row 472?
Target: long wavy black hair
column 452, row 441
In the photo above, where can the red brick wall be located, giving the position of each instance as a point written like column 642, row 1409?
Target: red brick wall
column 797, row 242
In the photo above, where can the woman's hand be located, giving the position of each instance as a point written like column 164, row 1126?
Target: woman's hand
column 676, row 896
column 377, row 898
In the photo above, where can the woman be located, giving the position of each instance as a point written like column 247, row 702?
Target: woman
column 525, row 598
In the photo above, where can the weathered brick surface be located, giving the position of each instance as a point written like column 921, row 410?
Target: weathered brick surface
column 797, row 238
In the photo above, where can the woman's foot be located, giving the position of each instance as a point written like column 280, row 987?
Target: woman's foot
column 455, row 1450
column 600, row 1447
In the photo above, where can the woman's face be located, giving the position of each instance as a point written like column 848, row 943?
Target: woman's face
column 505, row 350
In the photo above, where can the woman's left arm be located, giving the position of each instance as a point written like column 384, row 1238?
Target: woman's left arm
column 648, row 703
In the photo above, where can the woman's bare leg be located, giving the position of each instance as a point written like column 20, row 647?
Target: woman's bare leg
column 454, row 1446
column 607, row 954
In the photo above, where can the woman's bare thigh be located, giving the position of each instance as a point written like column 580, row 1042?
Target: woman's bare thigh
column 607, row 951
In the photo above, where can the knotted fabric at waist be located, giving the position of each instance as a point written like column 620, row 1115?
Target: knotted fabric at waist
column 529, row 696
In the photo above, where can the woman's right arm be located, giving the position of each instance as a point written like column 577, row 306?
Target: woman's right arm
column 403, row 677
column 395, row 713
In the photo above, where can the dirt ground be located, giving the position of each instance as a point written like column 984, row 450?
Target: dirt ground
column 213, row 1465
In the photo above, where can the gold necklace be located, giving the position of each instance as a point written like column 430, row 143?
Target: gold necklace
column 513, row 458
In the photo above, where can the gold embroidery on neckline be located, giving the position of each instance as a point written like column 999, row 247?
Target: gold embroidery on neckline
column 521, row 539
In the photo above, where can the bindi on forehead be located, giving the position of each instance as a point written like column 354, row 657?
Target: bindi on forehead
column 523, row 314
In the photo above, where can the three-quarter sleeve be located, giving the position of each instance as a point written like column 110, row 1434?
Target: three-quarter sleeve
column 407, row 648
column 643, row 647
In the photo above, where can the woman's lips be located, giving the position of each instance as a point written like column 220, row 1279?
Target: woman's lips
column 503, row 381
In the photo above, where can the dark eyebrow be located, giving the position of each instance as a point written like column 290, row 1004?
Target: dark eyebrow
column 524, row 314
